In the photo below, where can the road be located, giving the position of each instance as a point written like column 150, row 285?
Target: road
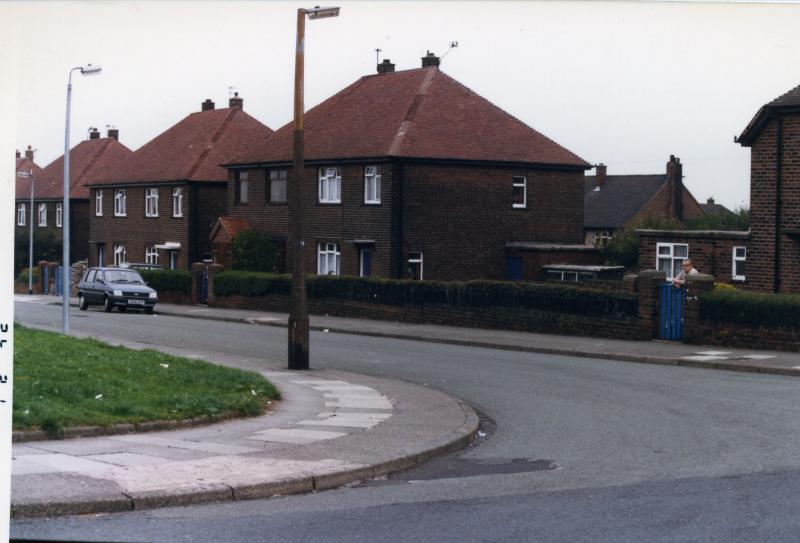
column 579, row 449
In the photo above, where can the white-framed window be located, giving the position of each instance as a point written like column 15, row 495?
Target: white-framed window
column 177, row 202
column 151, row 202
column 120, row 203
column 602, row 237
column 21, row 215
column 242, row 187
column 59, row 215
column 670, row 256
column 98, row 203
column 415, row 270
column 372, row 185
column 277, row 186
column 328, row 259
column 120, row 254
column 519, row 192
column 151, row 254
column 330, row 183
column 43, row 214
column 738, row 270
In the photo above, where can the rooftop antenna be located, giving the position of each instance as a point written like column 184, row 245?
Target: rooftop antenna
column 377, row 55
column 453, row 45
column 231, row 91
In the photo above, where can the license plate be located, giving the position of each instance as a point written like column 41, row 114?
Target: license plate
column 135, row 302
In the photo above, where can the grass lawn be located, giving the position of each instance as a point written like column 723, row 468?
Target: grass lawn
column 64, row 381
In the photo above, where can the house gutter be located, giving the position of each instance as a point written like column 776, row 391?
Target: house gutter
column 776, row 272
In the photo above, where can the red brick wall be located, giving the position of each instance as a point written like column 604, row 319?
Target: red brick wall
column 211, row 205
column 79, row 227
column 710, row 253
column 659, row 207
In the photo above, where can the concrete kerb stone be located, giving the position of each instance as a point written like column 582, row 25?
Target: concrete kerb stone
column 208, row 493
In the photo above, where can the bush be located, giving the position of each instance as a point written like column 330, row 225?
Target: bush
column 254, row 251
column 728, row 305
column 168, row 280
column 738, row 220
column 23, row 276
column 471, row 294
column 45, row 247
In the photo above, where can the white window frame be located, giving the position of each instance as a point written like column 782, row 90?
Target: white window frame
column 151, row 254
column 177, row 202
column 120, row 254
column 243, row 187
column 419, row 260
column 520, row 181
column 42, row 214
column 671, row 273
column 372, row 185
column 120, row 203
column 327, row 252
column 98, row 203
column 330, row 186
column 21, row 214
column 59, row 214
column 735, row 259
column 151, row 202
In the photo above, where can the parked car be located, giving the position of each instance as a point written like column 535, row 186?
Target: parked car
column 115, row 287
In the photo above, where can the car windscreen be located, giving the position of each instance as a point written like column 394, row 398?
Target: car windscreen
column 123, row 276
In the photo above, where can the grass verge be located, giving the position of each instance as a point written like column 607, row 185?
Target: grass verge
column 64, row 381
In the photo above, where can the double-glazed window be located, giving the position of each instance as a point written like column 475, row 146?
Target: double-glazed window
column 98, row 203
column 276, row 189
column 151, row 202
column 738, row 270
column 21, row 215
column 120, row 255
column 177, row 202
column 372, row 185
column 42, row 214
column 151, row 254
column 415, row 268
column 120, row 203
column 242, row 187
column 59, row 215
column 670, row 256
column 519, row 192
column 328, row 259
column 330, row 183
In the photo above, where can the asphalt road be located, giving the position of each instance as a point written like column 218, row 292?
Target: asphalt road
column 583, row 450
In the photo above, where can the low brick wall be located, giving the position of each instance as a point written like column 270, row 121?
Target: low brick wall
column 175, row 297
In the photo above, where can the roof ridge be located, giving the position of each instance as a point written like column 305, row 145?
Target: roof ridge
column 214, row 139
column 405, row 126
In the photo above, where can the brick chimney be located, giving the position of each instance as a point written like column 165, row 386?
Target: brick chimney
column 19, row 155
column 29, row 153
column 600, row 174
column 675, row 187
column 430, row 60
column 385, row 67
column 208, row 105
column 235, row 101
column 94, row 134
column 710, row 201
column 113, row 133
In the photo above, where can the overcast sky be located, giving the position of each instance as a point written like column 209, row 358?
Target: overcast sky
column 624, row 83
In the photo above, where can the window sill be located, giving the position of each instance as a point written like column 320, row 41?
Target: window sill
column 372, row 203
column 276, row 204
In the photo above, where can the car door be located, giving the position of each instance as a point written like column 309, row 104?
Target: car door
column 87, row 284
column 98, row 287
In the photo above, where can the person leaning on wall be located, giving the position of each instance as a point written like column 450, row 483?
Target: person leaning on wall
column 688, row 269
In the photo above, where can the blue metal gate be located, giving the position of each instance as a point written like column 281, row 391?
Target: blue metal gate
column 59, row 278
column 671, row 303
column 204, row 286
column 46, row 284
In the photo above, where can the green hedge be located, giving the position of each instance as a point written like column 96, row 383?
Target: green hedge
column 168, row 280
column 471, row 294
column 751, row 308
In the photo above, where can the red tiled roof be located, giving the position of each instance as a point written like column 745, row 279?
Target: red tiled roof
column 85, row 159
column 421, row 113
column 23, row 186
column 230, row 226
column 190, row 150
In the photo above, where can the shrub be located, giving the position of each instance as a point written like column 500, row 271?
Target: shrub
column 168, row 280
column 23, row 276
column 45, row 247
column 729, row 305
column 254, row 251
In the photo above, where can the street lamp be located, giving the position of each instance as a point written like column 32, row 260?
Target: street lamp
column 66, row 279
column 298, row 310
column 30, row 235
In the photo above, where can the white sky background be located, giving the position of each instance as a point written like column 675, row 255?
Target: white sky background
column 624, row 83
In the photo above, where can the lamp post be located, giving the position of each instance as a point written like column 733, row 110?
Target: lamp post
column 30, row 234
column 66, row 280
column 298, row 310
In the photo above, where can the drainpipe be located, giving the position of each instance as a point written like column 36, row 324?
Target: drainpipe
column 776, row 272
column 400, row 183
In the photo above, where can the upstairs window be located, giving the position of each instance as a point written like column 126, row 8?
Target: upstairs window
column 98, row 203
column 738, row 271
column 670, row 256
column 120, row 255
column 242, row 187
column 177, row 202
column 328, row 259
column 120, row 203
column 59, row 215
column 519, row 192
column 151, row 202
column 277, row 186
column 42, row 214
column 372, row 185
column 151, row 254
column 21, row 215
column 330, row 182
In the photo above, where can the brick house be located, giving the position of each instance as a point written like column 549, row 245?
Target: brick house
column 773, row 136
column 412, row 175
column 612, row 202
column 711, row 209
column 86, row 159
column 160, row 204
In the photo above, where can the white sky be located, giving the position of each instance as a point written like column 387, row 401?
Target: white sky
column 624, row 83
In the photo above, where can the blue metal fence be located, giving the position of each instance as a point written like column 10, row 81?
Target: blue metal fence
column 671, row 304
column 46, row 280
column 59, row 278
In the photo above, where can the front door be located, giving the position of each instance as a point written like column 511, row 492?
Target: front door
column 365, row 267
column 101, row 255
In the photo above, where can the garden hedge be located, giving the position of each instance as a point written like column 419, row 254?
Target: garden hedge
column 168, row 280
column 754, row 308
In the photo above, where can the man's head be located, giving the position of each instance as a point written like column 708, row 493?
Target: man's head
column 687, row 264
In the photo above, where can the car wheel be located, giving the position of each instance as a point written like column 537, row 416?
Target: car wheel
column 108, row 305
column 149, row 310
column 82, row 303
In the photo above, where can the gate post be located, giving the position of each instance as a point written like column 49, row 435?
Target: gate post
column 647, row 288
column 213, row 269
column 695, row 285
column 197, row 272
